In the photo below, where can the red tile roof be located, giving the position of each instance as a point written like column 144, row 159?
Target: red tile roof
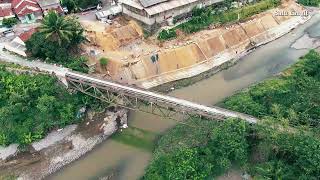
column 5, row 1
column 23, row 7
column 27, row 35
column 4, row 12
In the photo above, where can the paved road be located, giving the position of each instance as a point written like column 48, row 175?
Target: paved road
column 7, row 57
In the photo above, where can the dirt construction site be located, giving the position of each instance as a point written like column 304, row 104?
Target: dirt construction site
column 147, row 62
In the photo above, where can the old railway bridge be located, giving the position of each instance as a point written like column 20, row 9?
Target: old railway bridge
column 143, row 100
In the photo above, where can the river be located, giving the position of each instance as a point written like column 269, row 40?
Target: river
column 130, row 161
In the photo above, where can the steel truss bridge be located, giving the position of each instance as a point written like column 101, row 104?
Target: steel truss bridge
column 143, row 100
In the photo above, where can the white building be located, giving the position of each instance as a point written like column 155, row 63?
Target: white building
column 16, row 46
column 151, row 12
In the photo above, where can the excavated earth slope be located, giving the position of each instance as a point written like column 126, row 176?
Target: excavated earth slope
column 206, row 50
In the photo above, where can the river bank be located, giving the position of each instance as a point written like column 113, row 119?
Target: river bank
column 61, row 147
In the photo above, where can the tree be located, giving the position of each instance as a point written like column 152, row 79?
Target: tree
column 60, row 29
column 9, row 22
column 76, row 5
column 70, row 4
column 30, row 106
column 183, row 164
column 58, row 42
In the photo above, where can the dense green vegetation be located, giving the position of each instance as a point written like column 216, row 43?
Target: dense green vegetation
column 284, row 145
column 315, row 3
column 195, row 151
column 203, row 18
column 294, row 96
column 30, row 106
column 77, row 5
column 9, row 22
column 167, row 34
column 58, row 41
column 189, row 151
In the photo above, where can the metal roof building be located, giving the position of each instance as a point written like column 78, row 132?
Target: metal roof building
column 152, row 12
column 148, row 3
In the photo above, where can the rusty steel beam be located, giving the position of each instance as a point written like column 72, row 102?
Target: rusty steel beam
column 143, row 100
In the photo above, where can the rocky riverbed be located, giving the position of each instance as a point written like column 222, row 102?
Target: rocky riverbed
column 61, row 146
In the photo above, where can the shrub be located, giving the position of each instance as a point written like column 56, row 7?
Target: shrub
column 9, row 22
column 167, row 34
column 104, row 61
column 314, row 3
column 203, row 17
column 78, row 64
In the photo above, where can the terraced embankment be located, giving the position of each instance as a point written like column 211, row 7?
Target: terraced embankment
column 208, row 49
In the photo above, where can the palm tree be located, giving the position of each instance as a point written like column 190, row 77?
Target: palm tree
column 57, row 28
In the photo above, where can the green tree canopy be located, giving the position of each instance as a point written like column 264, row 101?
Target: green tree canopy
column 58, row 41
column 60, row 29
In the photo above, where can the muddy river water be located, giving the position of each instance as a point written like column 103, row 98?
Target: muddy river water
column 130, row 161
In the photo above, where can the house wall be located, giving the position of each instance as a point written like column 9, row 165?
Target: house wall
column 37, row 15
column 48, row 7
column 143, row 17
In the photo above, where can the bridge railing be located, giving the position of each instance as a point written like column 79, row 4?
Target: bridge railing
column 108, row 90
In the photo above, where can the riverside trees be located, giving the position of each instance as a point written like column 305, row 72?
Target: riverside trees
column 58, row 41
column 285, row 145
column 30, row 106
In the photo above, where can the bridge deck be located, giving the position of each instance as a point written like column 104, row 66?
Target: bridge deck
column 179, row 105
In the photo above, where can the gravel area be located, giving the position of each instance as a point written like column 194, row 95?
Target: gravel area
column 53, row 137
column 6, row 152
column 80, row 147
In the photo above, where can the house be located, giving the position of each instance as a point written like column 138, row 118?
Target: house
column 53, row 5
column 5, row 11
column 26, row 35
column 16, row 46
column 152, row 12
column 28, row 11
column 5, row 1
